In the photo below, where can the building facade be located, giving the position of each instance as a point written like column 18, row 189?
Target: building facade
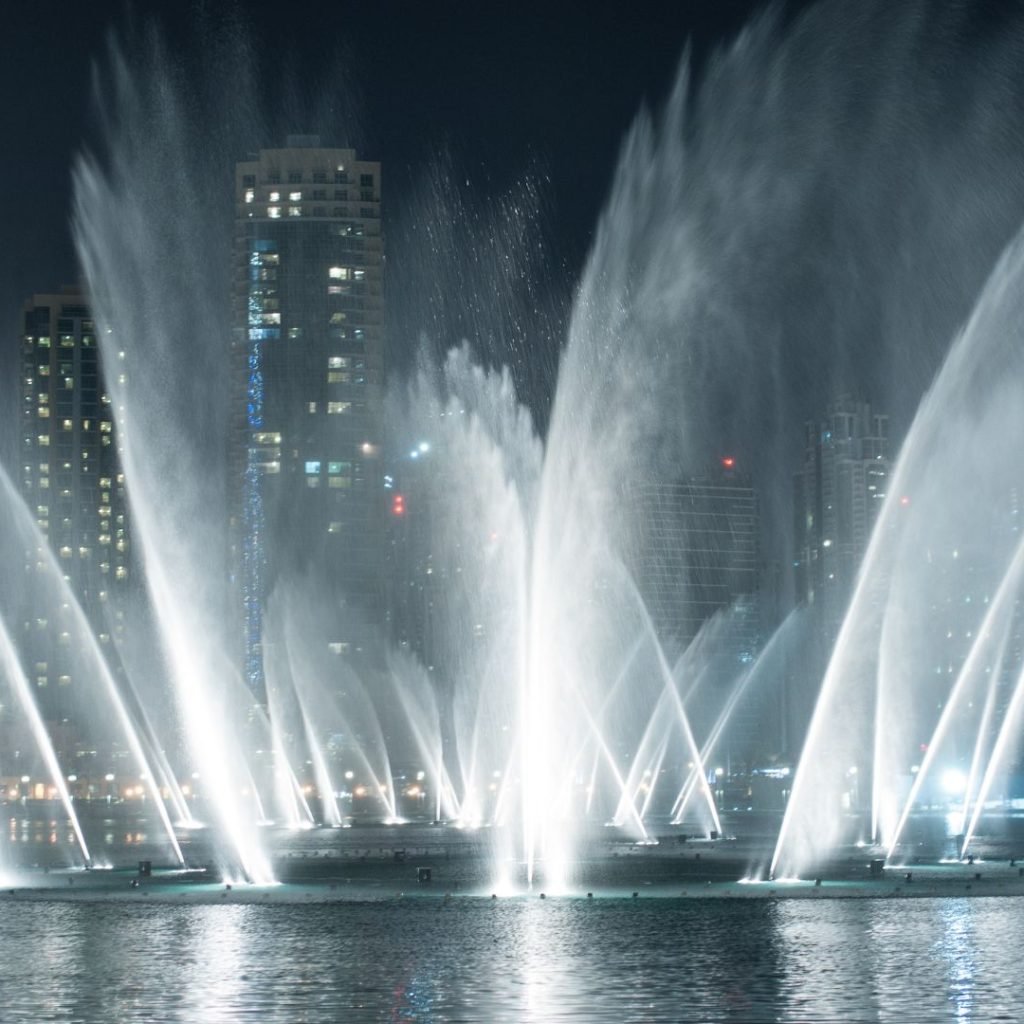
column 838, row 494
column 697, row 556
column 71, row 481
column 309, row 322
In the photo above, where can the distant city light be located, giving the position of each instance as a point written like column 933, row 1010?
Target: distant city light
column 424, row 446
column 905, row 500
column 728, row 462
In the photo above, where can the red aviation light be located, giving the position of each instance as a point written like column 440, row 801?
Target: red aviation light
column 728, row 462
column 398, row 505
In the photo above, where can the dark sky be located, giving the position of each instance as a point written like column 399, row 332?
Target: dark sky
column 555, row 86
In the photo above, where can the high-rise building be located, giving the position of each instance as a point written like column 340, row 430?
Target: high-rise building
column 839, row 492
column 72, row 483
column 309, row 345
column 697, row 556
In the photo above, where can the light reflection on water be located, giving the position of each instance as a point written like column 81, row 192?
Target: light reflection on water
column 527, row 960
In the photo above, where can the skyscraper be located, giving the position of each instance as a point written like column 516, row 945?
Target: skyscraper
column 839, row 492
column 697, row 555
column 308, row 344
column 72, row 483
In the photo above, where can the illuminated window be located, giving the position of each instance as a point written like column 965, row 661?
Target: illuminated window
column 312, row 481
column 337, row 362
column 338, row 273
column 337, row 377
column 338, row 318
column 359, row 274
column 43, row 440
column 312, row 406
column 338, row 408
column 274, row 212
column 295, row 197
column 294, row 211
column 250, row 195
column 121, row 573
column 339, row 481
column 275, row 197
column 68, row 425
column 313, row 467
column 334, row 528
column 44, row 412
column 294, row 332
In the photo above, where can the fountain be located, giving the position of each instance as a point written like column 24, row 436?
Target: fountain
column 714, row 313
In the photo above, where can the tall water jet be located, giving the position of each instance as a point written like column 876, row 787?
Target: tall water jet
column 950, row 483
column 128, row 218
column 85, row 638
column 23, row 689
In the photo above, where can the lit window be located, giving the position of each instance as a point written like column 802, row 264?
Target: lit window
column 337, row 362
column 334, row 528
column 338, row 273
column 121, row 573
column 359, row 274
column 337, row 377
column 294, row 211
column 312, row 481
column 274, row 211
column 44, row 440
column 337, row 318
column 250, row 195
column 339, row 481
column 68, row 425
column 295, row 197
column 275, row 197
column 338, row 408
column 44, row 412
column 294, row 332
column 313, row 467
column 312, row 406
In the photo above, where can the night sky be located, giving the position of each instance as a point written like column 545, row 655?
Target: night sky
column 550, row 88
column 853, row 211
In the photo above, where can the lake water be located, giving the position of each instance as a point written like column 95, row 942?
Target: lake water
column 521, row 959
